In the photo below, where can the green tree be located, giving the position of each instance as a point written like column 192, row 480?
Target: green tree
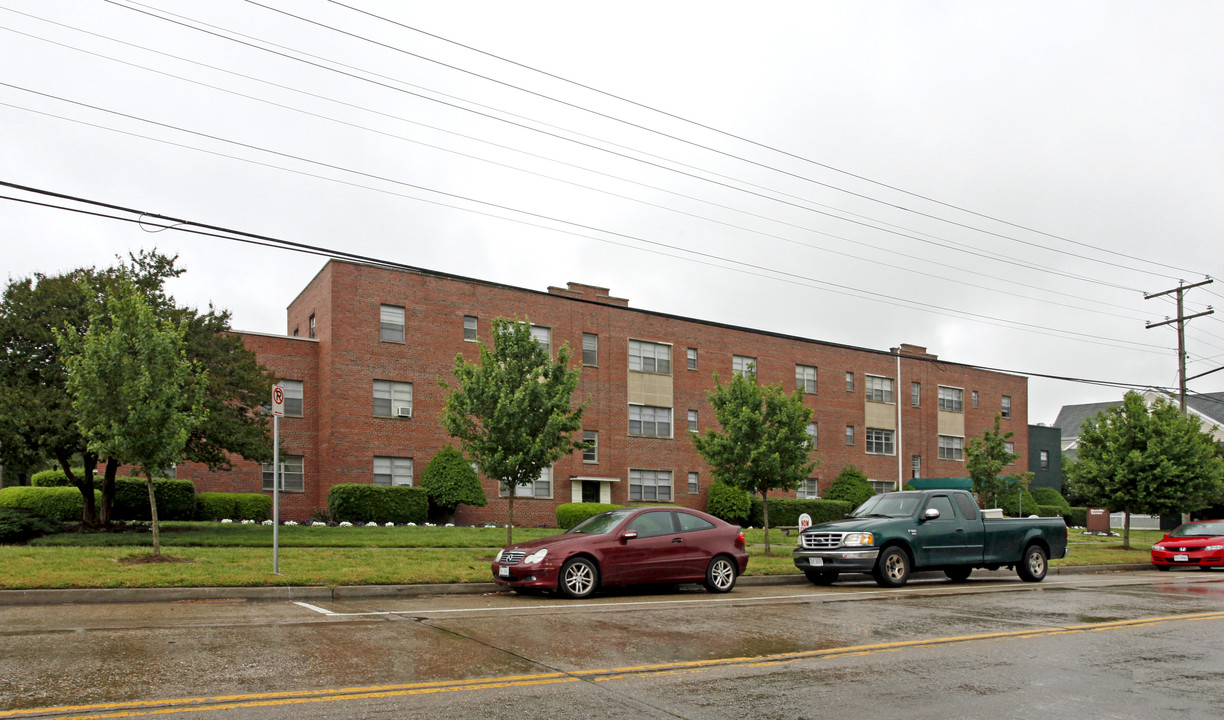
column 450, row 481
column 763, row 442
column 851, row 485
column 512, row 411
column 1136, row 459
column 136, row 395
column 985, row 458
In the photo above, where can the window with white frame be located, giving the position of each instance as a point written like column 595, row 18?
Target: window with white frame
column 849, row 382
column 542, row 335
column 293, row 397
column 915, row 394
column 975, row 398
column 392, row 399
column 470, row 328
column 1045, row 459
column 809, row 489
column 391, row 323
column 744, row 365
column 694, row 486
column 390, row 471
column 1011, row 450
column 805, row 378
column 541, row 487
column 878, row 389
column 292, row 474
column 590, row 349
column 649, row 357
column 849, row 434
column 882, row 486
column 951, row 447
column 813, row 431
column 590, row 454
column 879, row 442
column 650, row 421
column 312, row 326
column 951, row 399
column 916, row 466
column 650, row 486
column 1006, row 412
column 692, row 358
column 692, row 421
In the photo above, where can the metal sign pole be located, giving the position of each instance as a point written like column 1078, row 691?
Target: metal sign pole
column 276, row 482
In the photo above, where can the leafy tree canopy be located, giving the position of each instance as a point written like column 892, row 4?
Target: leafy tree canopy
column 985, row 458
column 852, row 486
column 450, row 481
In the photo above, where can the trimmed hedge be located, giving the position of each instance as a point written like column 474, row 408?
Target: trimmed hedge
column 176, row 499
column 1076, row 516
column 353, row 502
column 570, row 514
column 729, row 503
column 17, row 526
column 1026, row 506
column 54, row 503
column 54, row 478
column 1049, row 510
column 786, row 511
column 235, row 506
column 1050, row 496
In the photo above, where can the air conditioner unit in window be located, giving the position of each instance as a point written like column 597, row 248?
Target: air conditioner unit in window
column 404, row 411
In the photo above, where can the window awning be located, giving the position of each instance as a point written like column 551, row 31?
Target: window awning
column 594, row 478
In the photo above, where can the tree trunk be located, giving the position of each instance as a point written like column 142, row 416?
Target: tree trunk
column 108, row 493
column 153, row 514
column 1126, row 530
column 89, row 510
column 510, row 524
column 765, row 516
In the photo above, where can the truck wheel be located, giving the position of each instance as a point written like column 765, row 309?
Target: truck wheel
column 958, row 574
column 821, row 577
column 1032, row 567
column 892, row 568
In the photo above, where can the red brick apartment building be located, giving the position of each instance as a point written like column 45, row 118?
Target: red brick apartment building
column 368, row 345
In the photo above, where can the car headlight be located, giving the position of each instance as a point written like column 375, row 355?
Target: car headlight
column 857, row 539
column 1214, row 547
column 535, row 557
column 498, row 557
column 1157, row 547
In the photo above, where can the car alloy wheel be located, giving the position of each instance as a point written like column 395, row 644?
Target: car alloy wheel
column 579, row 577
column 720, row 575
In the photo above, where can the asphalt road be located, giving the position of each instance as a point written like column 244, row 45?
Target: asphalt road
column 1116, row 645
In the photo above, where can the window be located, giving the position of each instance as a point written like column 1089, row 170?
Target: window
column 692, row 421
column 849, row 382
column 951, row 447
column 312, row 326
column 1006, row 406
column 743, row 365
column 951, row 399
column 916, row 394
column 392, row 399
column 849, row 434
column 652, row 524
column 879, row 389
column 968, row 508
column 650, row 421
column 916, row 466
column 390, row 471
column 649, row 357
column 470, row 328
column 692, row 523
column 590, row 454
column 1045, row 459
column 882, row 486
column 692, row 358
column 805, row 378
column 293, row 397
column 650, row 485
column 290, row 472
column 541, row 487
column 813, row 431
column 1011, row 450
column 975, row 398
column 693, row 487
column 879, row 442
column 808, row 490
column 542, row 335
column 943, row 504
column 590, row 349
column 391, row 323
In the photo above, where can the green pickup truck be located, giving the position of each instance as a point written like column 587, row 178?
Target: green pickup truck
column 894, row 534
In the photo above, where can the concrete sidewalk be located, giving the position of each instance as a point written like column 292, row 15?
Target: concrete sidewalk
column 80, row 596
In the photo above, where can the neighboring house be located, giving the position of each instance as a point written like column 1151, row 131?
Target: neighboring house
column 1045, row 457
column 367, row 347
column 1207, row 407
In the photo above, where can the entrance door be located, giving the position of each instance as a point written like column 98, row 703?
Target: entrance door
column 590, row 491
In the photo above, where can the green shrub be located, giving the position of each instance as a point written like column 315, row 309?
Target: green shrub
column 1012, row 506
column 450, row 481
column 728, row 502
column 851, row 486
column 235, row 506
column 55, row 478
column 18, row 526
column 1049, row 510
column 352, row 502
column 1050, row 496
column 1076, row 516
column 570, row 514
column 176, row 499
column 54, row 503
column 786, row 511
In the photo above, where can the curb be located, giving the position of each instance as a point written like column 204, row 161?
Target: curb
column 82, row 596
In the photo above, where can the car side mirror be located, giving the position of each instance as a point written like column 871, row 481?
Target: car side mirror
column 931, row 514
column 627, row 536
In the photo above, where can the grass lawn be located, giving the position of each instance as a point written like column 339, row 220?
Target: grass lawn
column 215, row 554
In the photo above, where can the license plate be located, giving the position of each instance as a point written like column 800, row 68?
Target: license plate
column 1181, row 558
column 816, row 562
column 503, row 571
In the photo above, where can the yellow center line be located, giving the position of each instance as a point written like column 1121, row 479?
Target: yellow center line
column 232, row 702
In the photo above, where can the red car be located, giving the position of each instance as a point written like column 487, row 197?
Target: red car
column 639, row 545
column 1198, row 543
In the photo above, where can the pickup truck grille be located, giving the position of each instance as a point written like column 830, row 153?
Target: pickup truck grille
column 510, row 558
column 820, row 540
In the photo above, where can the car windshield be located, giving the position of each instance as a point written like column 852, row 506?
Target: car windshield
column 1199, row 529
column 601, row 523
column 896, row 504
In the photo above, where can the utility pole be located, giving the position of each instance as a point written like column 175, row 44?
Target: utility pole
column 1181, row 319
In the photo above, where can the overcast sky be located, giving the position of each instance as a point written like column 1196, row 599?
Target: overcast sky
column 999, row 182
